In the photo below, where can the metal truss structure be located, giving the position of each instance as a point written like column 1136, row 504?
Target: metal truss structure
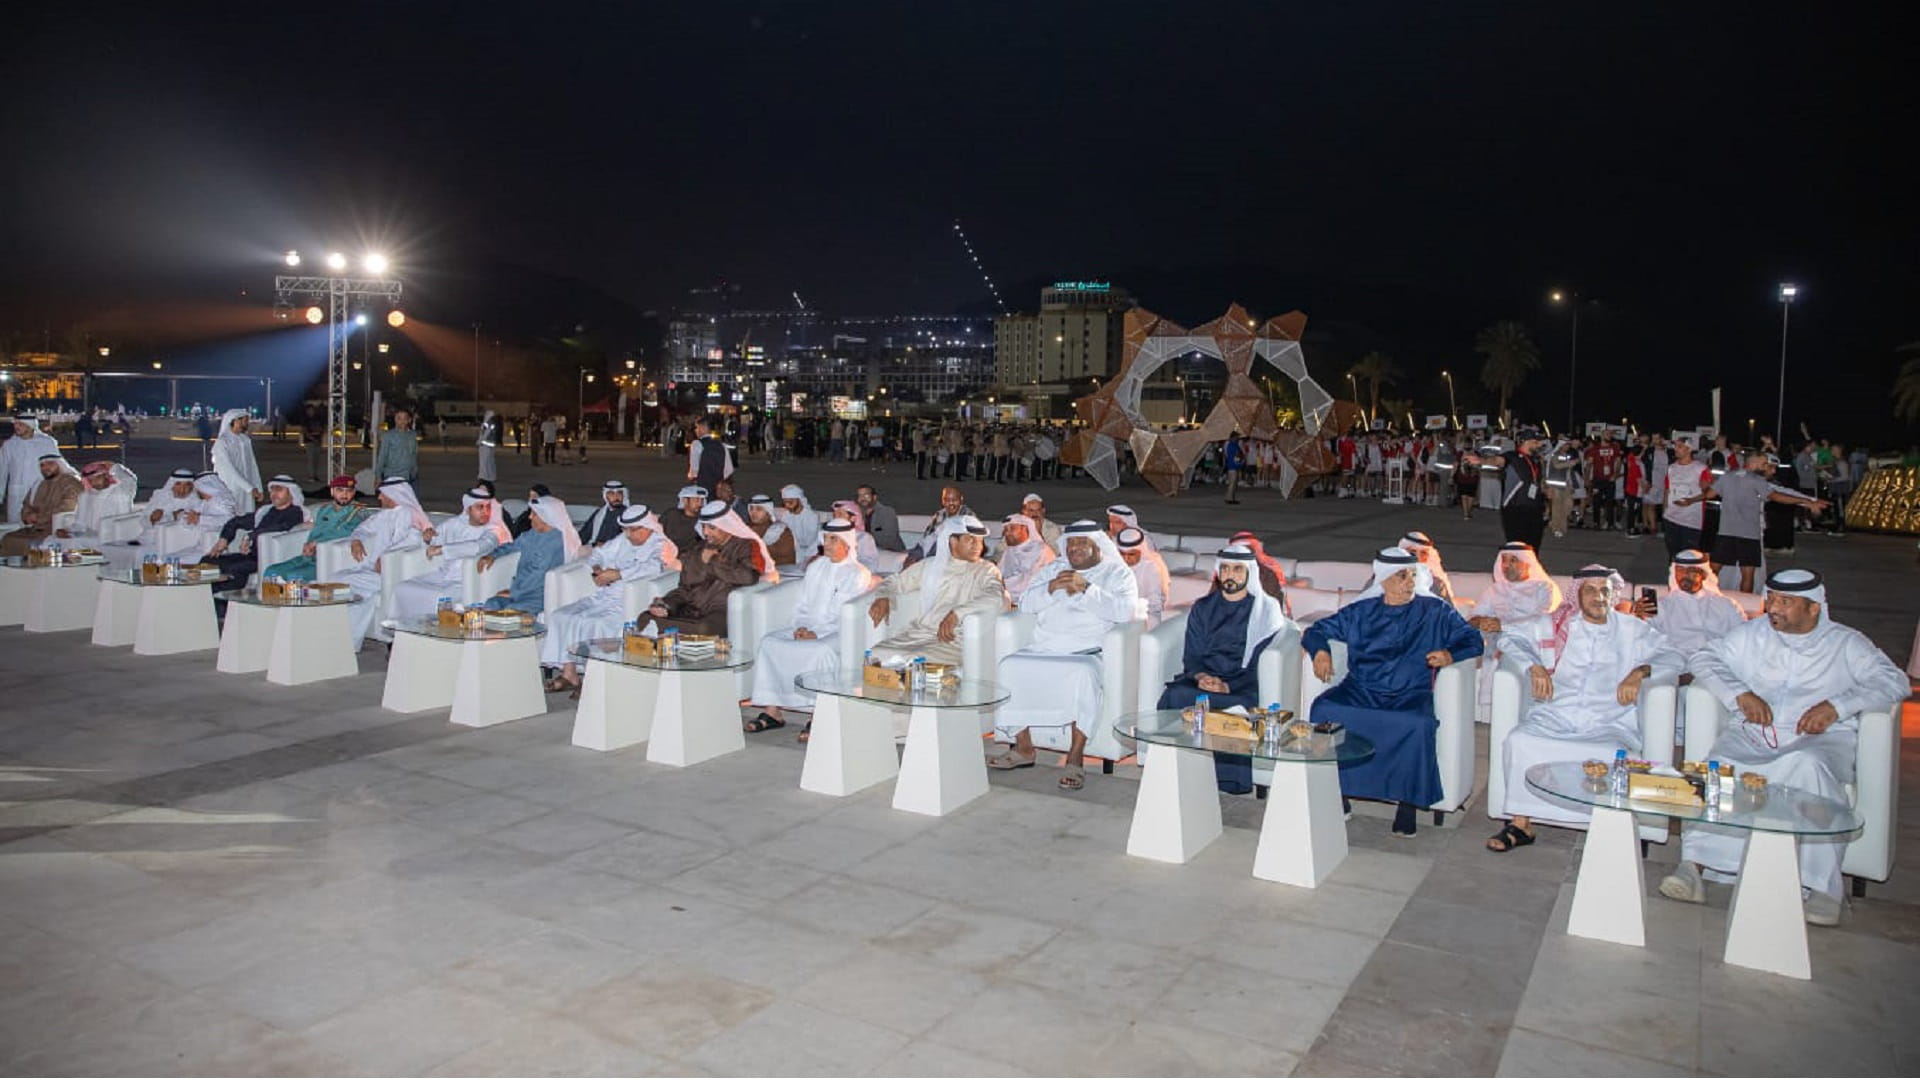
column 294, row 290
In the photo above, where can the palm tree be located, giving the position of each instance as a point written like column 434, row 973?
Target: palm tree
column 1511, row 356
column 1376, row 367
column 1906, row 385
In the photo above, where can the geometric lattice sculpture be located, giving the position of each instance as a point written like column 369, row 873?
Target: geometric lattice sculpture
column 1888, row 500
column 1112, row 413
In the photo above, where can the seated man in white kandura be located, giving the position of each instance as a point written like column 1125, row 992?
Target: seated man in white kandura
column 1055, row 680
column 640, row 551
column 952, row 583
column 812, row 644
column 399, row 524
column 1585, row 666
column 1794, row 684
column 477, row 529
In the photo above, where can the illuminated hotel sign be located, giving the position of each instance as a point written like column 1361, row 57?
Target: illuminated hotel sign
column 1084, row 286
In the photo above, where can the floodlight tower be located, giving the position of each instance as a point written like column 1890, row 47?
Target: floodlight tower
column 339, row 291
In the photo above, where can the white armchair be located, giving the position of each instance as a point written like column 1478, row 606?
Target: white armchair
column 121, row 528
column 1203, row 545
column 1119, row 685
column 1184, row 589
column 1453, row 694
column 1875, row 790
column 1512, row 694
column 281, row 546
column 752, row 611
column 858, row 634
column 1162, row 656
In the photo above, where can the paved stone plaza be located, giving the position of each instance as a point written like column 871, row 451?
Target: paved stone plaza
column 206, row 873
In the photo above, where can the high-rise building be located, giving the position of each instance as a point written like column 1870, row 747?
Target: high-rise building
column 1077, row 334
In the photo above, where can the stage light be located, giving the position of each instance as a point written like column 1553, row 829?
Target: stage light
column 375, row 263
column 360, row 319
column 396, row 318
column 336, row 262
column 293, row 258
column 384, row 347
column 156, row 365
column 315, row 315
column 1788, row 292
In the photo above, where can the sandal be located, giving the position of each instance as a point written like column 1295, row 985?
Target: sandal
column 1010, row 761
column 1508, row 838
column 1073, row 779
column 806, row 731
column 763, row 722
column 557, row 685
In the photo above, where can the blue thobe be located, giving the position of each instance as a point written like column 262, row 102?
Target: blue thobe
column 1216, row 642
column 1387, row 695
column 539, row 553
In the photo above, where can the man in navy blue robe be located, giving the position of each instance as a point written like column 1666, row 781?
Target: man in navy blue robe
column 1398, row 634
column 1226, row 631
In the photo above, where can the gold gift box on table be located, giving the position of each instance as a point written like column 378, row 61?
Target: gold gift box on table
column 39, row 557
column 1667, row 789
column 639, row 645
column 326, row 590
column 896, row 678
column 273, row 590
column 449, row 619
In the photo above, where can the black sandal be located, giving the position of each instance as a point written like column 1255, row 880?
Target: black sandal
column 763, row 722
column 806, row 732
column 1510, row 836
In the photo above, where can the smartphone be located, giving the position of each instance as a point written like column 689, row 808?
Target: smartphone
column 1649, row 598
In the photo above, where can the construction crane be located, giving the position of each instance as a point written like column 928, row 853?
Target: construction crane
column 984, row 276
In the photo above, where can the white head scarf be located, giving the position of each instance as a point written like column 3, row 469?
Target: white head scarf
column 1266, row 618
column 32, row 422
column 554, row 513
column 609, row 488
column 718, row 515
column 1806, row 585
column 942, row 557
column 293, row 489
column 220, row 500
column 65, row 465
column 1391, row 561
column 1535, row 594
column 776, row 528
column 692, row 491
column 1129, row 518
column 639, row 515
column 235, row 441
column 1692, row 558
column 803, row 523
column 496, row 520
column 1422, row 545
column 401, row 492
column 1019, row 561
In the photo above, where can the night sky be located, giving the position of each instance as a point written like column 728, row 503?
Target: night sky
column 1414, row 170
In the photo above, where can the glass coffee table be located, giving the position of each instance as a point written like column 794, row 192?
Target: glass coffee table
column 1766, row 927
column 158, row 618
column 487, row 677
column 1303, row 834
column 294, row 641
column 45, row 599
column 686, row 711
column 855, row 727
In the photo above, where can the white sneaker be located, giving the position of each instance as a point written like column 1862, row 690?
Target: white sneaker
column 1821, row 909
column 1684, row 885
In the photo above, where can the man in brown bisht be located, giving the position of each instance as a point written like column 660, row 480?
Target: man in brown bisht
column 729, row 556
column 58, row 492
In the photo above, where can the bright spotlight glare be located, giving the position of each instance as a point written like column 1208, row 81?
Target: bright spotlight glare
column 314, row 315
column 375, row 263
column 1788, row 292
column 336, row 261
column 360, row 319
column 293, row 258
column 396, row 318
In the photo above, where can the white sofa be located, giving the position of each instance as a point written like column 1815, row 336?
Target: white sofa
column 1119, row 656
column 1513, row 691
column 1875, row 790
column 574, row 580
column 1335, row 576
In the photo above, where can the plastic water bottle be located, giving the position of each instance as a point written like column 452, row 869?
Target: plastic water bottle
column 1617, row 779
column 1273, row 725
column 1713, row 783
column 917, row 677
column 1202, row 704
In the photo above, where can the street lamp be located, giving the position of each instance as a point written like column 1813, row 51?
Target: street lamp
column 1787, row 293
column 1572, row 300
column 580, row 416
column 1453, row 407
